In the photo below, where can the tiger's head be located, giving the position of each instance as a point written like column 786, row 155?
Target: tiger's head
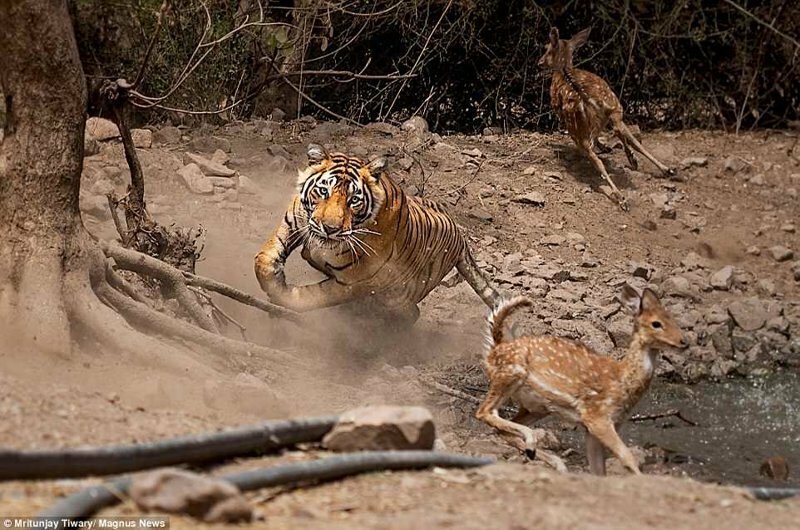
column 340, row 194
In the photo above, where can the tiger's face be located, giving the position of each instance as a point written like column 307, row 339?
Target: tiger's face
column 341, row 195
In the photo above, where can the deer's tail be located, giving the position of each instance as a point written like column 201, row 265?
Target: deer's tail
column 498, row 315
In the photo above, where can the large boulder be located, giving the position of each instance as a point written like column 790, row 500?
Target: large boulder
column 380, row 428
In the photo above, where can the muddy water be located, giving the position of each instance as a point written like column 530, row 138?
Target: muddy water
column 741, row 422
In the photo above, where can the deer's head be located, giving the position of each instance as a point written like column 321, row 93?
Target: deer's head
column 558, row 53
column 653, row 324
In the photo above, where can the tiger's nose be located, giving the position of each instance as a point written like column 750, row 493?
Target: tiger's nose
column 330, row 229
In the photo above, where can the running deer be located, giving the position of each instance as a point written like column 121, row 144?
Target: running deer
column 585, row 104
column 546, row 374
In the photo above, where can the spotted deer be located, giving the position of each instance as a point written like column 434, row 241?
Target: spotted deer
column 585, row 104
column 550, row 375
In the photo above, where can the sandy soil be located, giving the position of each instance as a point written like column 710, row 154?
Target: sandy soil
column 94, row 397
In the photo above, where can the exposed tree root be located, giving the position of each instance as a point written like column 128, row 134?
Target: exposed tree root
column 170, row 277
column 147, row 319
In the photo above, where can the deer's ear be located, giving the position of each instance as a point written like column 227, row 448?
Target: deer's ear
column 554, row 36
column 580, row 38
column 316, row 154
column 630, row 299
column 649, row 300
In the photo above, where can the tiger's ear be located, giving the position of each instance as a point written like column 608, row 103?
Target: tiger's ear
column 316, row 154
column 377, row 165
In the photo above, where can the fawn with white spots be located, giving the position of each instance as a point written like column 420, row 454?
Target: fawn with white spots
column 585, row 104
column 546, row 374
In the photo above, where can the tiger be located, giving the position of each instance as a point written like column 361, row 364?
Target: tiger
column 382, row 251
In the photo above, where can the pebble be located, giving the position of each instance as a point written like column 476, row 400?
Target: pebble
column 781, row 253
column 722, row 279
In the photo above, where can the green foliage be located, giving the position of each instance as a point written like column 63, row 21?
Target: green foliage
column 696, row 63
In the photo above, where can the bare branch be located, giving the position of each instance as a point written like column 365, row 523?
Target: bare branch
column 762, row 22
column 159, row 20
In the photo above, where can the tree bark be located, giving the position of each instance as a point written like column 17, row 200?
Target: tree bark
column 40, row 167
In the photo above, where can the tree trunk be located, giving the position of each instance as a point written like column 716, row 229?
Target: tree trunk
column 40, row 167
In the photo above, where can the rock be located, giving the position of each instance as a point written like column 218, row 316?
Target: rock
column 699, row 161
column 247, row 186
column 677, row 286
column 195, row 180
column 102, row 187
column 90, row 145
column 668, row 212
column 765, row 287
column 382, row 428
column 533, row 198
column 208, row 167
column 278, row 115
column 405, row 163
column 183, row 492
column 222, row 182
column 530, row 170
column 735, row 164
column 480, row 214
column 775, row 467
column 753, row 250
column 553, row 240
column 722, row 279
column 749, row 314
column 789, row 228
column 386, row 129
column 142, row 138
column 781, row 253
column 167, row 135
column 209, row 144
column 231, row 195
column 416, row 125
column 555, row 175
column 742, row 341
column 220, row 157
column 563, row 295
column 102, row 129
column 95, row 205
column 757, row 180
column 641, row 270
column 230, row 511
column 720, row 335
column 473, row 153
column 796, row 270
column 693, row 261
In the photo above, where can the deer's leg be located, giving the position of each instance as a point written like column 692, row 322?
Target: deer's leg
column 595, row 454
column 627, row 137
column 617, row 195
column 523, row 438
column 605, row 432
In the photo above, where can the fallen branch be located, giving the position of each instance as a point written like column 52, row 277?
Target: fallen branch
column 450, row 391
column 666, row 414
column 240, row 296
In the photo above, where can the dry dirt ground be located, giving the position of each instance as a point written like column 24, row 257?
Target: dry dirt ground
column 538, row 225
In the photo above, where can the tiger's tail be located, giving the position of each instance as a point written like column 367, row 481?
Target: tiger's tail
column 470, row 271
column 498, row 315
